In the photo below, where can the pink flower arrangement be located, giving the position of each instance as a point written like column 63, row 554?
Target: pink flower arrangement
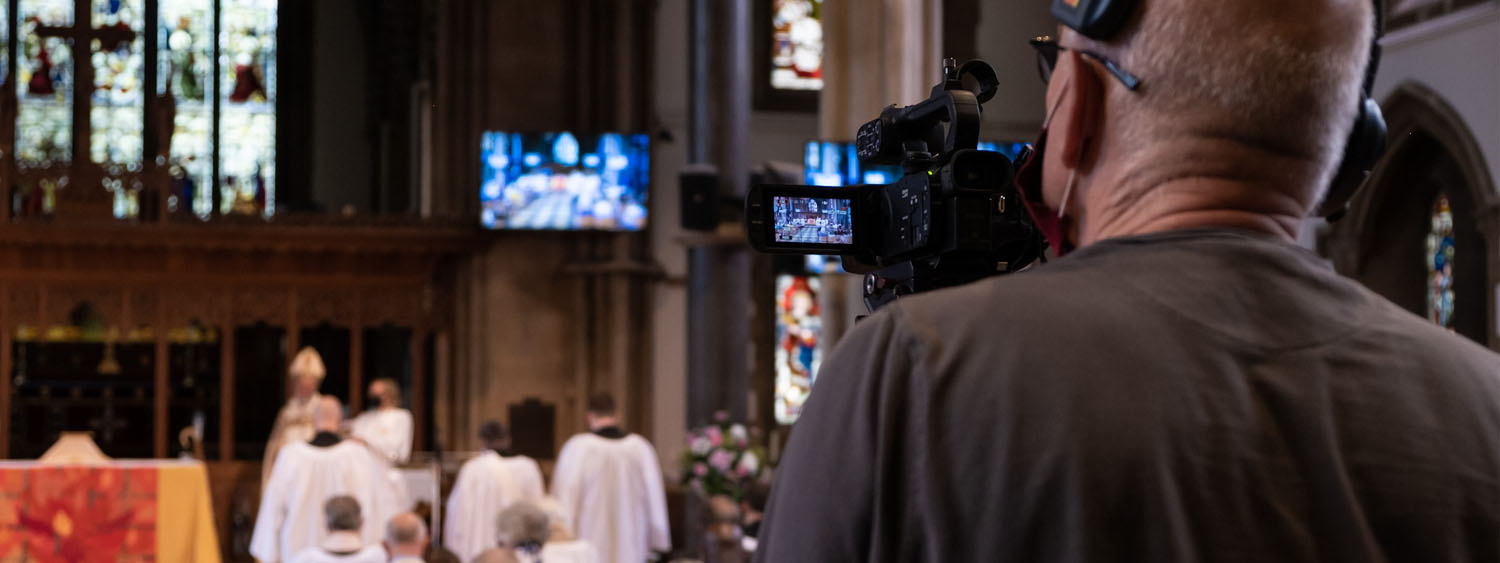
column 720, row 459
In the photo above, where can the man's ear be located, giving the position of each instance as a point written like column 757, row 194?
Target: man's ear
column 1080, row 109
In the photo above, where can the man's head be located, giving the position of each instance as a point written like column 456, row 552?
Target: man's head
column 327, row 414
column 386, row 391
column 523, row 524
column 306, row 372
column 1240, row 118
column 494, row 435
column 342, row 514
column 406, row 535
column 601, row 411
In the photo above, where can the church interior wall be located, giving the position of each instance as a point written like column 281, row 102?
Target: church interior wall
column 1457, row 56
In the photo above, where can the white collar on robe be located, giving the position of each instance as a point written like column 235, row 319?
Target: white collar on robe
column 342, row 542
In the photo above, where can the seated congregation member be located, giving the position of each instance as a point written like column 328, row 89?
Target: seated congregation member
column 385, row 427
column 306, row 474
column 406, row 538
column 344, row 543
column 526, row 535
column 1187, row 383
column 486, row 486
column 563, row 546
column 609, row 484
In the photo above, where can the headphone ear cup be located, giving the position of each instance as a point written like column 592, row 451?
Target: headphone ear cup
column 1095, row 19
column 1362, row 151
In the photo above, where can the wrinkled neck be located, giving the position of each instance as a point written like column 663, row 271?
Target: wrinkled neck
column 1199, row 183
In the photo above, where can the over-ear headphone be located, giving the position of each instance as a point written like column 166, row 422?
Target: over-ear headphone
column 1101, row 19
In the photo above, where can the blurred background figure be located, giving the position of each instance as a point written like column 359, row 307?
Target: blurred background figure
column 294, row 423
column 306, row 473
column 609, row 483
column 385, row 426
column 486, row 486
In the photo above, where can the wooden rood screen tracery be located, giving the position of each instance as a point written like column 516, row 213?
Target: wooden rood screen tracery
column 138, row 332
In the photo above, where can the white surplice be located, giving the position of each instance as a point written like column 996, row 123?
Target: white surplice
column 576, row 551
column 372, row 554
column 291, row 507
column 387, row 432
column 611, row 488
column 349, row 543
column 486, row 486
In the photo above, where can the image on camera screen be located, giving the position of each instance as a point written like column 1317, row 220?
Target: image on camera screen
column 812, row 220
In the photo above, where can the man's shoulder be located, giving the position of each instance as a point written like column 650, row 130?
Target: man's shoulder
column 1421, row 340
column 307, row 555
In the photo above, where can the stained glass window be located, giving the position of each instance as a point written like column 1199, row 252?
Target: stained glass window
column 44, row 85
column 247, row 123
column 117, row 48
column 4, row 39
column 189, row 33
column 185, row 38
column 797, row 44
column 799, row 344
column 1440, row 252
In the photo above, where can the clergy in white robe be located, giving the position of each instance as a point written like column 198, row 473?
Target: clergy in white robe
column 344, row 543
column 609, row 483
column 386, row 428
column 294, row 422
column 486, row 486
column 306, row 475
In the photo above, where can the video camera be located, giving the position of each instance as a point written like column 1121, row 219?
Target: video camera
column 954, row 217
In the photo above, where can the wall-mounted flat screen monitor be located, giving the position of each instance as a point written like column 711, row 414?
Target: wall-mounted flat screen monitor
column 564, row 181
column 837, row 164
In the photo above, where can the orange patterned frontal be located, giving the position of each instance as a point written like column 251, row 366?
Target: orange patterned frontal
column 78, row 514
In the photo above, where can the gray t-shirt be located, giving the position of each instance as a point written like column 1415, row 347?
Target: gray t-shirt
column 1187, row 396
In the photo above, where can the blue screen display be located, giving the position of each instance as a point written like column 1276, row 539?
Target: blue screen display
column 837, row 164
column 564, row 181
column 1010, row 149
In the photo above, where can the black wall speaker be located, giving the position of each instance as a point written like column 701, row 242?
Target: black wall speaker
column 698, row 188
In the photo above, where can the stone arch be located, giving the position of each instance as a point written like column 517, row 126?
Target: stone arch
column 1382, row 240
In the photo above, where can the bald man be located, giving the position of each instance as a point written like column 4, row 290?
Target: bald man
column 1186, row 383
column 306, row 474
column 406, row 538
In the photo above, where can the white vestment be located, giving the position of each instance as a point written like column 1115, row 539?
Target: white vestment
column 294, row 423
column 576, row 551
column 386, row 431
column 341, row 542
column 372, row 554
column 306, row 476
column 486, row 486
column 612, row 490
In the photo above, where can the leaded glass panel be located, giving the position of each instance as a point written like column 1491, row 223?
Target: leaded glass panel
column 185, row 63
column 247, row 123
column 799, row 344
column 1440, row 253
column 44, row 85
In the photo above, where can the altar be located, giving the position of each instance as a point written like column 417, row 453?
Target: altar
column 123, row 510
